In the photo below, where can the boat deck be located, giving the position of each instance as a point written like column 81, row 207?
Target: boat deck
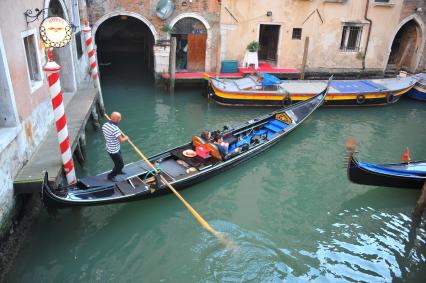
column 263, row 67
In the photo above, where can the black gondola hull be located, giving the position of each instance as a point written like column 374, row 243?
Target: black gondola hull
column 98, row 194
column 361, row 175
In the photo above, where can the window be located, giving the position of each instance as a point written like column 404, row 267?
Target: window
column 78, row 44
column 297, row 33
column 33, row 62
column 75, row 15
column 382, row 1
column 351, row 38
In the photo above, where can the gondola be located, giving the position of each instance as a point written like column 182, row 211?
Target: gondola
column 181, row 171
column 418, row 92
column 267, row 90
column 402, row 175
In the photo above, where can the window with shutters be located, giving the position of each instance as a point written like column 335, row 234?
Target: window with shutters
column 32, row 58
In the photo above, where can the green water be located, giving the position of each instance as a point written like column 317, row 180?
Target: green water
column 291, row 211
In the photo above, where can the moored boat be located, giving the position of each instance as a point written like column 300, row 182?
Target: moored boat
column 401, row 175
column 178, row 167
column 266, row 90
column 418, row 91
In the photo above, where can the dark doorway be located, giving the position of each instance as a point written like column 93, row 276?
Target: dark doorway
column 125, row 41
column 191, row 36
column 268, row 41
column 404, row 47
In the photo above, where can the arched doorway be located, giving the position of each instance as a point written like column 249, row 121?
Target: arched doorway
column 406, row 48
column 63, row 56
column 124, row 39
column 191, row 47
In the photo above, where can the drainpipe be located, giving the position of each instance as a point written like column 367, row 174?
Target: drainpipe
column 368, row 34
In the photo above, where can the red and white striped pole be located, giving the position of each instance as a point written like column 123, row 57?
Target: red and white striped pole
column 92, row 60
column 52, row 70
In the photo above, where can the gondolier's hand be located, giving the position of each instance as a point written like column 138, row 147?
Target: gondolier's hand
column 123, row 138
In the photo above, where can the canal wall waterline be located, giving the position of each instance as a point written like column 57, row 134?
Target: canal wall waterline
column 18, row 211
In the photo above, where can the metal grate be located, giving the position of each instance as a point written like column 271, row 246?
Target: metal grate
column 297, row 33
column 351, row 38
column 189, row 26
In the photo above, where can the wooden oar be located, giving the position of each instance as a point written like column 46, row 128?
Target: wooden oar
column 194, row 213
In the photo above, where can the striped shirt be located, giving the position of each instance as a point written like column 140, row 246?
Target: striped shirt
column 111, row 134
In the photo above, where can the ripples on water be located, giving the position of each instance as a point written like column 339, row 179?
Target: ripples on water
column 291, row 211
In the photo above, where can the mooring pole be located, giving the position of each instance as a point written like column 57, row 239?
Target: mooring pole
column 172, row 64
column 52, row 70
column 421, row 203
column 92, row 62
column 218, row 61
column 305, row 58
column 79, row 154
column 95, row 119
column 82, row 142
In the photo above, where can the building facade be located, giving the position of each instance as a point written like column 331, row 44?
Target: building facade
column 25, row 107
column 344, row 35
column 132, row 27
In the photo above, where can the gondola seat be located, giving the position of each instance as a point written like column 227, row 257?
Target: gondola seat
column 214, row 151
column 197, row 141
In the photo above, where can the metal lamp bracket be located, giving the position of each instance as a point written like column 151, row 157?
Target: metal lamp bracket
column 29, row 17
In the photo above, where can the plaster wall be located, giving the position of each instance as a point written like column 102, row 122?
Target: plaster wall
column 321, row 21
column 32, row 111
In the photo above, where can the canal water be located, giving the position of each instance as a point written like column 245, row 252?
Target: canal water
column 291, row 212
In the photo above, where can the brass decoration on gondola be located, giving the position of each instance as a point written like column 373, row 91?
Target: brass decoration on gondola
column 283, row 117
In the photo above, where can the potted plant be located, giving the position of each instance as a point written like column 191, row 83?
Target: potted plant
column 253, row 46
column 167, row 29
column 250, row 57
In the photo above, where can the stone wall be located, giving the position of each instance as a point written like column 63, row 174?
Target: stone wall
column 205, row 10
column 16, row 153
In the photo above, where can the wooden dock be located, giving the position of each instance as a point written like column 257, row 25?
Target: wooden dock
column 47, row 156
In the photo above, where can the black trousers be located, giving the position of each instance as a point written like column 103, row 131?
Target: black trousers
column 118, row 164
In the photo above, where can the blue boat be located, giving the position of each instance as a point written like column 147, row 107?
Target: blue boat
column 418, row 92
column 402, row 175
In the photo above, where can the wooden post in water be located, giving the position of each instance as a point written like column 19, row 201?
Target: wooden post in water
column 95, row 119
column 172, row 64
column 82, row 142
column 421, row 203
column 79, row 154
column 305, row 58
column 218, row 61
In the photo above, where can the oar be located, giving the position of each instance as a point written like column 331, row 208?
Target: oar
column 194, row 213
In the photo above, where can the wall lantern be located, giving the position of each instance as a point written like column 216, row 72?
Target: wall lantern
column 269, row 13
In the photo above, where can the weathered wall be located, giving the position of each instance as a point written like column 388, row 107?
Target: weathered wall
column 416, row 8
column 207, row 10
column 321, row 21
column 31, row 105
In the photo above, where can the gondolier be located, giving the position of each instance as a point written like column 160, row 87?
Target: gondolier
column 113, row 137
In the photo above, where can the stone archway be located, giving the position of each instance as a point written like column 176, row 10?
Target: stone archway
column 113, row 30
column 208, row 52
column 62, row 56
column 407, row 46
column 125, row 13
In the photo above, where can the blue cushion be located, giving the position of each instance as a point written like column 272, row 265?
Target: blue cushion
column 272, row 127
column 278, row 123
